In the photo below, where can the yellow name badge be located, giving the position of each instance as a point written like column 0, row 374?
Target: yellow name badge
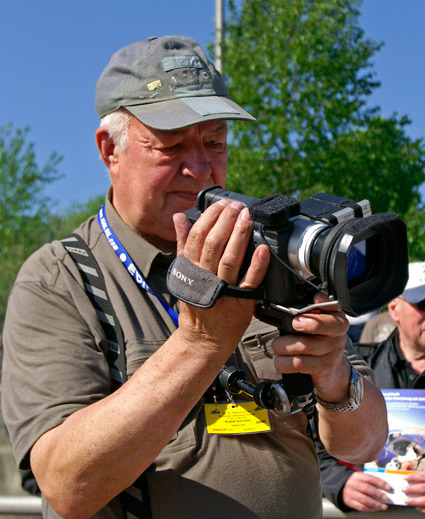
column 236, row 418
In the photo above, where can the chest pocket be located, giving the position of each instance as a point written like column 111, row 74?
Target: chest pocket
column 258, row 358
column 185, row 437
column 257, row 353
column 137, row 353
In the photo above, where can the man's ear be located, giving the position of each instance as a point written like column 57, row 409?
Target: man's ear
column 394, row 309
column 106, row 147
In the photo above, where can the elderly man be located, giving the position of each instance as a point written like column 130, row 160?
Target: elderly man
column 107, row 454
column 397, row 362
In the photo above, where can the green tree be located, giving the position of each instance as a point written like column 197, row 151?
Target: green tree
column 303, row 69
column 64, row 224
column 27, row 220
column 24, row 210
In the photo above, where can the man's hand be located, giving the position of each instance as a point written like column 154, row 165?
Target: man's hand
column 415, row 491
column 317, row 349
column 364, row 492
column 217, row 242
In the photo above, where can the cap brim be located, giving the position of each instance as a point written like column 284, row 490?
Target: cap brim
column 414, row 295
column 182, row 112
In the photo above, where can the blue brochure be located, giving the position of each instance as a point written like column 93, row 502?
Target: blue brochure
column 404, row 451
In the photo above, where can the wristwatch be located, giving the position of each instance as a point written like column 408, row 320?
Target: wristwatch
column 356, row 394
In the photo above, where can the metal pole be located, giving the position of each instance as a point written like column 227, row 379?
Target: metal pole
column 20, row 505
column 219, row 16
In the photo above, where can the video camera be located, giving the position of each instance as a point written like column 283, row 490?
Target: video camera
column 325, row 244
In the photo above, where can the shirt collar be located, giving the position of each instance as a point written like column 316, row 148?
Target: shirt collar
column 143, row 253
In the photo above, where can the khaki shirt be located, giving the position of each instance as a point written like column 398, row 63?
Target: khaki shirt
column 55, row 364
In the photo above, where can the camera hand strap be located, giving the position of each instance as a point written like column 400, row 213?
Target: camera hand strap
column 198, row 287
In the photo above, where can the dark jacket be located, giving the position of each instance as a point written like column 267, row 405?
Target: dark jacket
column 391, row 371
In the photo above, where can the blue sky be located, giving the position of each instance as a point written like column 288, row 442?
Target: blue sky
column 53, row 51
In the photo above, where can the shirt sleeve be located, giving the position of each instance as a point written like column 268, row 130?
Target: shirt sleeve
column 334, row 475
column 54, row 361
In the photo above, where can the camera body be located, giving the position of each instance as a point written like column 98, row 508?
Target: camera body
column 323, row 244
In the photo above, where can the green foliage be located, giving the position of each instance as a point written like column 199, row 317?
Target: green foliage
column 379, row 163
column 415, row 219
column 63, row 225
column 24, row 209
column 51, row 227
column 303, row 69
column 26, row 217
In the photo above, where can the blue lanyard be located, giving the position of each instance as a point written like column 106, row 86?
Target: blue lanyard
column 128, row 263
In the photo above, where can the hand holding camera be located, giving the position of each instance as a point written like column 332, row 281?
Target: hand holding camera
column 324, row 244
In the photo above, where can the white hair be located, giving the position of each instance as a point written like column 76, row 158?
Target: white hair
column 117, row 124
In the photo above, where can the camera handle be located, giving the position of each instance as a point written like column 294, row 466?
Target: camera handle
column 287, row 396
column 294, row 392
column 297, row 386
column 299, row 389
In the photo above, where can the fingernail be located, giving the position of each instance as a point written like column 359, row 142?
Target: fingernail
column 245, row 216
column 320, row 298
column 236, row 205
column 263, row 252
column 299, row 323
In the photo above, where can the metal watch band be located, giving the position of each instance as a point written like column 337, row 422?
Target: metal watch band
column 356, row 394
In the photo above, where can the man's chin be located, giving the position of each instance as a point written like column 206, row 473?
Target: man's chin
column 166, row 242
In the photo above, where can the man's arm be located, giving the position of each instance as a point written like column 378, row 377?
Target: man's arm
column 334, row 474
column 344, row 484
column 318, row 349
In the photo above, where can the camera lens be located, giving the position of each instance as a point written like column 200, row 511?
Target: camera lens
column 348, row 258
column 305, row 245
column 356, row 261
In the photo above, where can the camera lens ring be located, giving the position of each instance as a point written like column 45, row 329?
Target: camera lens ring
column 300, row 243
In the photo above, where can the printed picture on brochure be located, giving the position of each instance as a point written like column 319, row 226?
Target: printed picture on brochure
column 404, row 451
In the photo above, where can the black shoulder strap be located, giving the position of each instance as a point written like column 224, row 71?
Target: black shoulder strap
column 135, row 499
column 94, row 284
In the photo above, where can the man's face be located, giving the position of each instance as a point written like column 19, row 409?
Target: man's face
column 161, row 172
column 411, row 322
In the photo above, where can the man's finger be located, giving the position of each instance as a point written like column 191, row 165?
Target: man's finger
column 182, row 226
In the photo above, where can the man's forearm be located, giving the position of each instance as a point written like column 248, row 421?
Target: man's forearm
column 356, row 436
column 110, row 443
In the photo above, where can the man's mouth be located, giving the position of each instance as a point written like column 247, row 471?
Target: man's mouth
column 191, row 197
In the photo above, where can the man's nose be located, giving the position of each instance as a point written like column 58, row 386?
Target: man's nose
column 196, row 162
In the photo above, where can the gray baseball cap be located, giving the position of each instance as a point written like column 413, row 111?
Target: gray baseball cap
column 167, row 83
